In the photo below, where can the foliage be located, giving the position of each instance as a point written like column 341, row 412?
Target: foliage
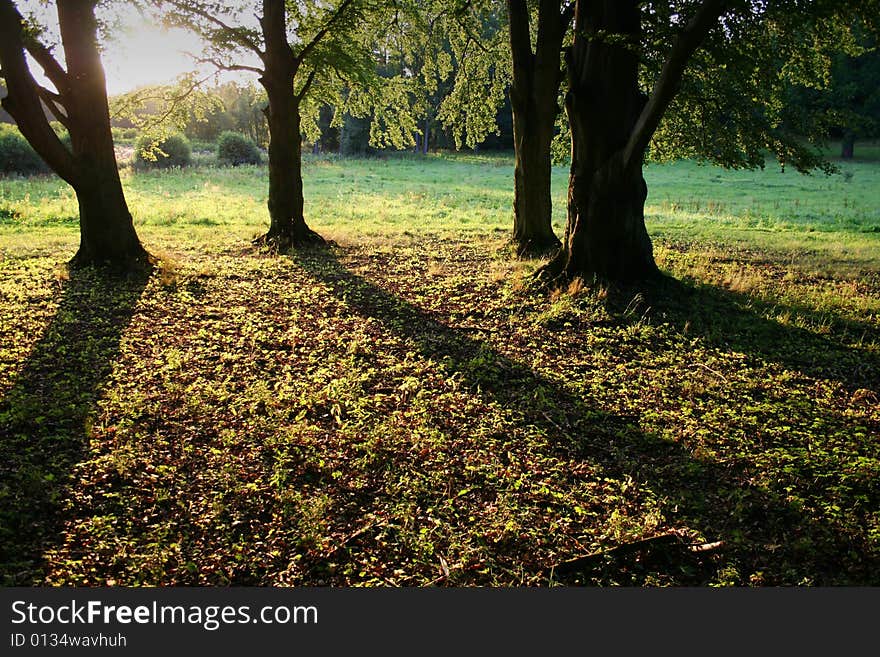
column 124, row 135
column 350, row 417
column 159, row 110
column 465, row 60
column 850, row 105
column 171, row 151
column 731, row 108
column 234, row 149
column 16, row 155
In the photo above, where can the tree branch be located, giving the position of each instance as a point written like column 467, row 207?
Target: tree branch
column 311, row 45
column 469, row 32
column 23, row 101
column 55, row 104
column 667, row 85
column 237, row 34
column 51, row 67
column 305, row 88
column 172, row 100
column 216, row 63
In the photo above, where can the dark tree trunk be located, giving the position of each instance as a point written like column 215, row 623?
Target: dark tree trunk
column 107, row 234
column 533, row 97
column 848, row 146
column 427, row 136
column 287, row 227
column 612, row 123
column 532, row 206
column 605, row 235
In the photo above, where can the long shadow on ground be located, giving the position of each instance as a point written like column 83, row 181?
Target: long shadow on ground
column 760, row 529
column 43, row 418
column 739, row 322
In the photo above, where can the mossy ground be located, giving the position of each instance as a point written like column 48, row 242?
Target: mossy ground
column 404, row 408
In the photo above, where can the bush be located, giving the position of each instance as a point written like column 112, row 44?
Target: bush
column 124, row 135
column 17, row 156
column 234, row 149
column 173, row 151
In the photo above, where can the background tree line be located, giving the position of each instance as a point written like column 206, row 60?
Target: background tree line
column 725, row 81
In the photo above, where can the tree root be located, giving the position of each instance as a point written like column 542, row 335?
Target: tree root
column 531, row 249
column 136, row 260
column 284, row 242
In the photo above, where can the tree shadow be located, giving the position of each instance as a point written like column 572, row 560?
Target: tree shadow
column 740, row 322
column 45, row 416
column 760, row 529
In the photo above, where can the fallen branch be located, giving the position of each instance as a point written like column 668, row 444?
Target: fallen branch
column 661, row 541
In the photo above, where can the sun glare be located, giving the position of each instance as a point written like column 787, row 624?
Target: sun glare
column 146, row 54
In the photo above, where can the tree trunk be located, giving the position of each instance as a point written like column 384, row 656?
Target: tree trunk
column 605, row 235
column 848, row 146
column 426, row 141
column 533, row 98
column 287, row 227
column 107, row 234
column 532, row 206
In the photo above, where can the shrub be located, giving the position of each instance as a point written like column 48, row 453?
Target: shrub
column 234, row 149
column 173, row 151
column 124, row 135
column 17, row 156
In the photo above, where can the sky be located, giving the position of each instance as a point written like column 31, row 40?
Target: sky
column 141, row 52
column 147, row 54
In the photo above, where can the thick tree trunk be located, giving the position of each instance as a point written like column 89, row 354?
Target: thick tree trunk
column 605, row 235
column 287, row 227
column 848, row 146
column 107, row 234
column 532, row 206
column 533, row 97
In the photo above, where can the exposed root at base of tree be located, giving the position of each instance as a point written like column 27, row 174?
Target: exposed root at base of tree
column 558, row 274
column 137, row 261
column 284, row 242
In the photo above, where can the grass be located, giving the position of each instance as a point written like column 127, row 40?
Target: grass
column 404, row 409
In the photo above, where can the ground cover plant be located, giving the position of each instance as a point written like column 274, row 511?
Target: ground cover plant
column 403, row 407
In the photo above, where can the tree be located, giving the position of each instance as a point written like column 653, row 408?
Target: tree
column 715, row 80
column 79, row 102
column 297, row 46
column 518, row 51
column 852, row 100
column 537, row 76
column 857, row 80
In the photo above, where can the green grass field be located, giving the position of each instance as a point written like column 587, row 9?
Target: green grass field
column 404, row 408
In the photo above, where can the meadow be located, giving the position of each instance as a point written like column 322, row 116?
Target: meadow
column 406, row 408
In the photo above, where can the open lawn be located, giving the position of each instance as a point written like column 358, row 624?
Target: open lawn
column 404, row 408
